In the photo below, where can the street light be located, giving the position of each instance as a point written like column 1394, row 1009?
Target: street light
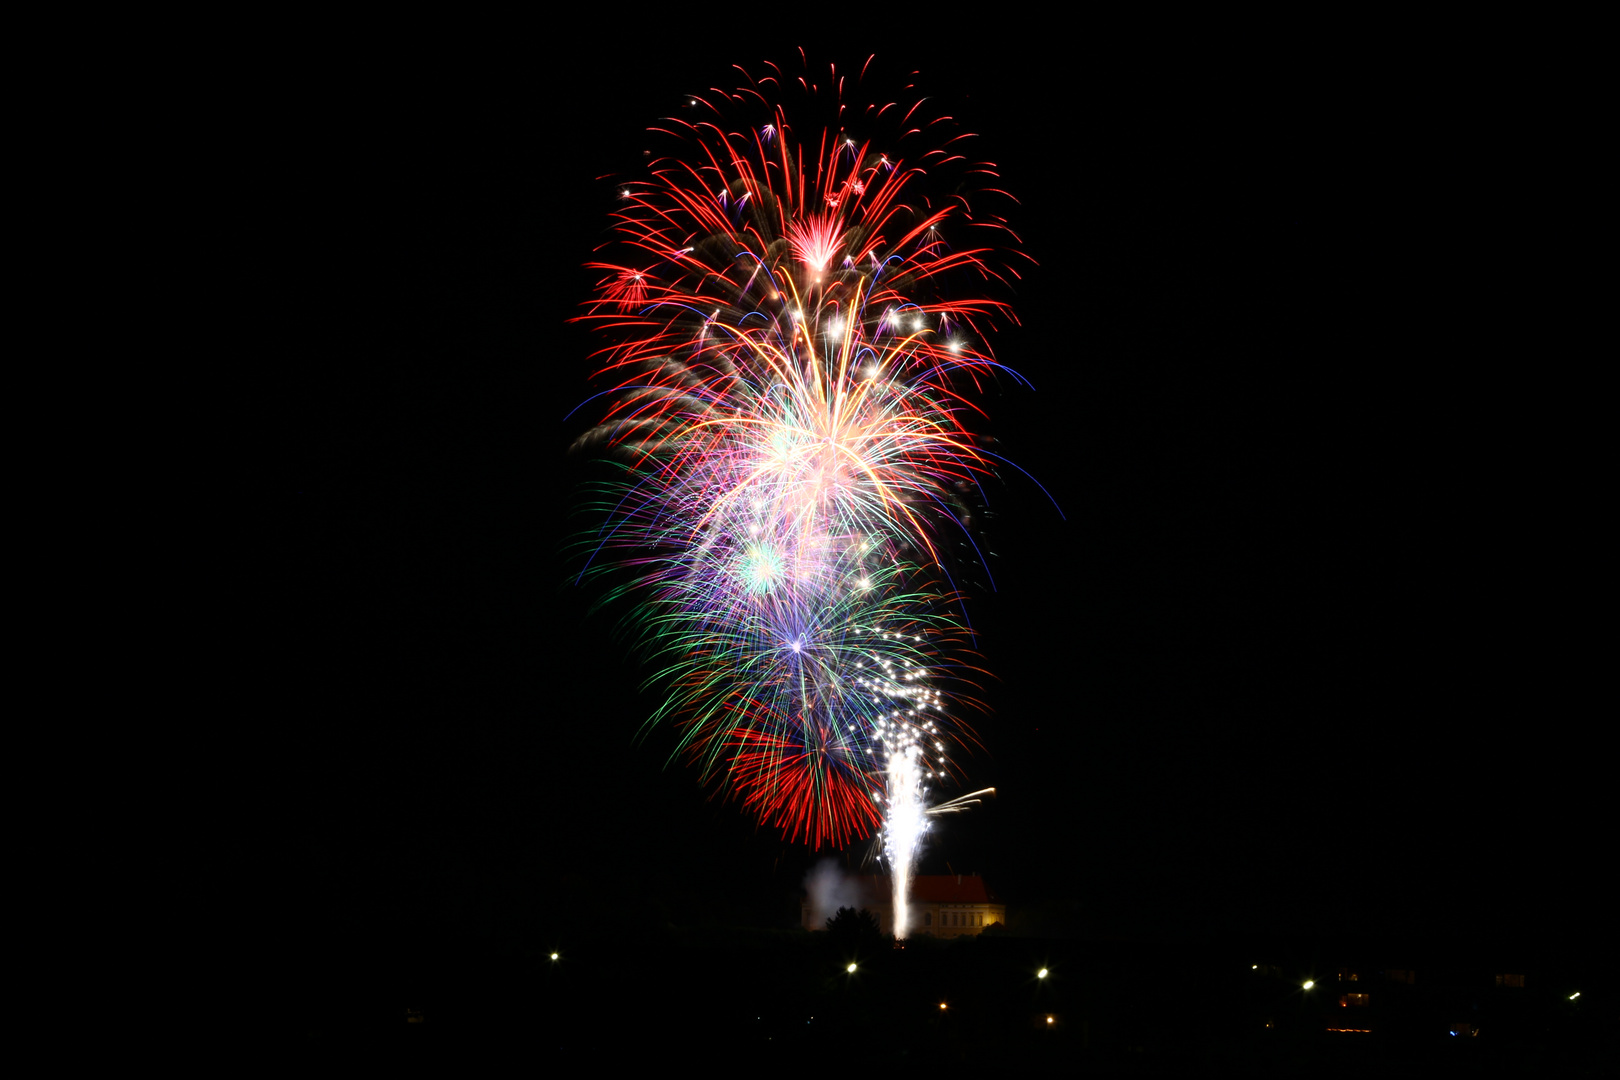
column 850, row 969
column 1309, row 983
column 1041, row 974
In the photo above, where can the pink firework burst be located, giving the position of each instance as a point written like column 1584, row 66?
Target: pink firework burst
column 815, row 240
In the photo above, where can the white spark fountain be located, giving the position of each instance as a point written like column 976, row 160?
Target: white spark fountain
column 909, row 739
column 904, row 826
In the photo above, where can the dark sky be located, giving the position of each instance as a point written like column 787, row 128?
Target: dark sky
column 1299, row 659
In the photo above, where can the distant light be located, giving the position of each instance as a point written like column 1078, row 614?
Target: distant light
column 1041, row 974
column 1575, row 995
column 1254, row 967
column 1309, row 983
column 554, row 956
column 942, row 1004
column 850, row 969
column 1048, row 1019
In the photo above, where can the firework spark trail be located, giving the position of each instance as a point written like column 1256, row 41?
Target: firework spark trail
column 791, row 373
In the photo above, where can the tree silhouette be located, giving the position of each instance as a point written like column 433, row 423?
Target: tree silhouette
column 855, row 928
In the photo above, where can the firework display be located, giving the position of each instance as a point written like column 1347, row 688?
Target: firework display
column 792, row 300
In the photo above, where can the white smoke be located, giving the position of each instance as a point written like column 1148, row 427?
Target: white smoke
column 830, row 890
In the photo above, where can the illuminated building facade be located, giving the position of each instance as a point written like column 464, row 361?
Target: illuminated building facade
column 942, row 905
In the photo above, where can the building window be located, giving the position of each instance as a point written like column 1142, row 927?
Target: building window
column 1510, row 980
column 1354, row 1000
column 928, row 918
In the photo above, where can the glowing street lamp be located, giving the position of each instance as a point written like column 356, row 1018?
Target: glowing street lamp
column 1309, row 983
column 1041, row 974
column 850, row 969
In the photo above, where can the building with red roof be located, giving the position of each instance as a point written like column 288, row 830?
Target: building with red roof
column 942, row 905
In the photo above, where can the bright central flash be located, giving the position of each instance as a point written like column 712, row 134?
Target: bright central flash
column 761, row 568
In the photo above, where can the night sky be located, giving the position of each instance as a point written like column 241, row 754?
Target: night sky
column 1300, row 657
